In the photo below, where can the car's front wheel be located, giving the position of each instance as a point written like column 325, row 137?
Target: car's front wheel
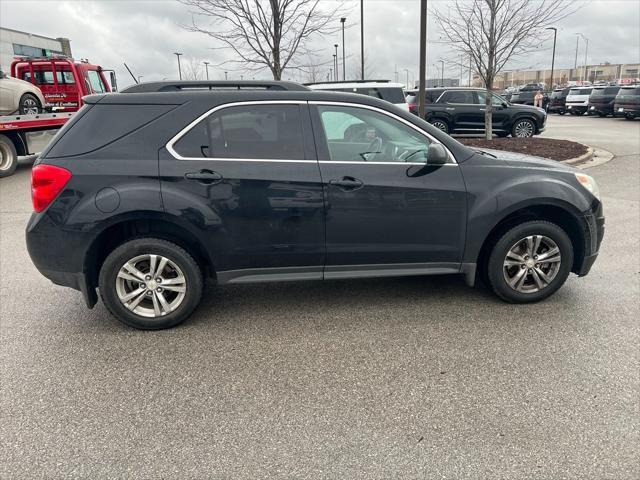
column 530, row 262
column 523, row 128
column 29, row 105
column 149, row 283
column 440, row 124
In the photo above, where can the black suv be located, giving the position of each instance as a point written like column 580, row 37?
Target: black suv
column 461, row 110
column 558, row 101
column 627, row 102
column 601, row 100
column 145, row 195
column 526, row 95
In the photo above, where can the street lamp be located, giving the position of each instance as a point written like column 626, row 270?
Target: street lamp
column 442, row 61
column 336, row 57
column 206, row 66
column 407, row 71
column 344, row 71
column 177, row 54
column 553, row 55
column 586, row 51
column 225, row 76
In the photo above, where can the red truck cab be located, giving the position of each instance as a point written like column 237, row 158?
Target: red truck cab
column 62, row 80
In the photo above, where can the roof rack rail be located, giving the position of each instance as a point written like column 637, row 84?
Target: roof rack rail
column 194, row 85
column 348, row 81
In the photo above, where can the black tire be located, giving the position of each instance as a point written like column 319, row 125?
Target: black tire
column 523, row 128
column 495, row 269
column 8, row 157
column 29, row 105
column 561, row 112
column 144, row 246
column 602, row 115
column 440, row 124
column 629, row 117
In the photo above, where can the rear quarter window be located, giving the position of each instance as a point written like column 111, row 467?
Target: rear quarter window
column 102, row 125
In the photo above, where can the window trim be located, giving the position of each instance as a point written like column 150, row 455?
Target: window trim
column 170, row 144
column 431, row 138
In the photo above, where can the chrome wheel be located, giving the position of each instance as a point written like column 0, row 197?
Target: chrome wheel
column 6, row 158
column 30, row 106
column 151, row 285
column 523, row 129
column 440, row 125
column 531, row 264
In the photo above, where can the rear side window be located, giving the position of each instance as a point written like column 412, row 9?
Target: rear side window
column 390, row 94
column 611, row 90
column 462, row 96
column 272, row 132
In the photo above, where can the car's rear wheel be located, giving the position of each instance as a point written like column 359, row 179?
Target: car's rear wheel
column 561, row 112
column 29, row 105
column 440, row 124
column 8, row 157
column 530, row 262
column 149, row 283
column 523, row 128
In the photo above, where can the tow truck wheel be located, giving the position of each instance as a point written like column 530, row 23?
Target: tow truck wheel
column 29, row 105
column 8, row 157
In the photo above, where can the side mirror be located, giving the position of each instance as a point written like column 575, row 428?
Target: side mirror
column 114, row 83
column 505, row 104
column 437, row 155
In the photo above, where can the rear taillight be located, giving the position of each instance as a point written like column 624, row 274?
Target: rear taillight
column 47, row 181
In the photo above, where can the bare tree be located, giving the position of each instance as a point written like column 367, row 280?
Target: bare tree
column 192, row 70
column 493, row 32
column 263, row 34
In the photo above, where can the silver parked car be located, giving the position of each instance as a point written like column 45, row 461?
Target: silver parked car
column 19, row 97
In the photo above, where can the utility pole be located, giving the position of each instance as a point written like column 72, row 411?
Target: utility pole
column 575, row 65
column 344, row 68
column 553, row 55
column 470, row 70
column 335, row 68
column 336, row 57
column 225, row 76
column 177, row 54
column 442, row 61
column 461, row 72
column 422, row 81
column 206, row 67
column 361, row 39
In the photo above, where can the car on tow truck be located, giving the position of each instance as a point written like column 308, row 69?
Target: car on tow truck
column 19, row 97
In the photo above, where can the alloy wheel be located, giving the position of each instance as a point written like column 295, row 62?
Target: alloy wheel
column 29, row 106
column 151, row 285
column 441, row 126
column 523, row 129
column 531, row 264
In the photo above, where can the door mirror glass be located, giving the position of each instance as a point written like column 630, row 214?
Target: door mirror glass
column 437, row 155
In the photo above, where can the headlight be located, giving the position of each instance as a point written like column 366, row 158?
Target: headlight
column 589, row 183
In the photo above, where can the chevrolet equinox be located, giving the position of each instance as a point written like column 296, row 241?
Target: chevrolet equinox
column 142, row 196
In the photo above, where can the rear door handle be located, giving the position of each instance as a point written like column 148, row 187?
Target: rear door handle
column 346, row 183
column 204, row 176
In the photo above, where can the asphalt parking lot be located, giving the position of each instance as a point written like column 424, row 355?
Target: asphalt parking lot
column 389, row 378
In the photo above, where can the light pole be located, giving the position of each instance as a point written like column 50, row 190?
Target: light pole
column 407, row 71
column 422, row 81
column 586, row 52
column 442, row 61
column 177, row 54
column 344, row 69
column 335, row 68
column 226, row 76
column 206, row 67
column 336, row 57
column 553, row 55
column 361, row 39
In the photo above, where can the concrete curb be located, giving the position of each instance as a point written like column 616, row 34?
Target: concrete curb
column 593, row 158
column 581, row 159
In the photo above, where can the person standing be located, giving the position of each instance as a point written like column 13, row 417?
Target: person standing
column 537, row 100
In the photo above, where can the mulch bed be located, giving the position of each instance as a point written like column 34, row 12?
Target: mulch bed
column 538, row 147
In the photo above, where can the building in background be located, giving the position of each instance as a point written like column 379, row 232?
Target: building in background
column 606, row 72
column 16, row 43
column 438, row 82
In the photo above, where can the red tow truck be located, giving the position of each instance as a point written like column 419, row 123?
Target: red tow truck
column 63, row 82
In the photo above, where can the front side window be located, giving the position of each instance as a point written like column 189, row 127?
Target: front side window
column 496, row 101
column 360, row 135
column 271, row 132
column 97, row 85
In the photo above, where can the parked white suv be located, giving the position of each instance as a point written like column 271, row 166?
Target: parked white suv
column 19, row 97
column 578, row 100
column 384, row 89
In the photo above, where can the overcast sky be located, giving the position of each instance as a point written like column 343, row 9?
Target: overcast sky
column 144, row 34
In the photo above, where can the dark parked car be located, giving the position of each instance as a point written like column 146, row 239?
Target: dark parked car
column 145, row 195
column 558, row 100
column 431, row 95
column 627, row 102
column 461, row 110
column 601, row 100
column 526, row 95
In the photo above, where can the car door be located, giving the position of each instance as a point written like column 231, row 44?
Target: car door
column 387, row 211
column 245, row 178
column 462, row 107
column 499, row 113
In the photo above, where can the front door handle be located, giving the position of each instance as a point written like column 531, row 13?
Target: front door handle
column 449, row 108
column 346, row 183
column 204, row 176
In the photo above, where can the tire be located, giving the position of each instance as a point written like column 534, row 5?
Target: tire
column 527, row 289
column 602, row 115
column 144, row 315
column 629, row 117
column 8, row 157
column 523, row 128
column 561, row 112
column 440, row 124
column 29, row 105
